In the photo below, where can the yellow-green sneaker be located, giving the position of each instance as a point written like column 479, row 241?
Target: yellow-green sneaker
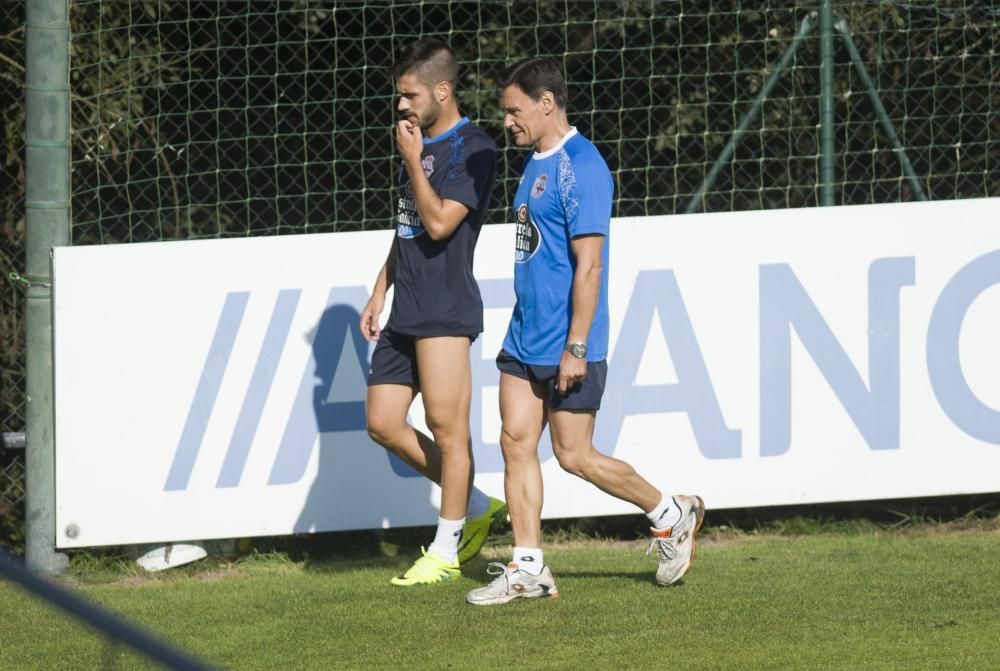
column 427, row 570
column 479, row 528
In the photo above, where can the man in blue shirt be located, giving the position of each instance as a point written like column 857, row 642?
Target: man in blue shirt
column 553, row 362
column 445, row 183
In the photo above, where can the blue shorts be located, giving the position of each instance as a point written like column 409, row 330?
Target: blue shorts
column 394, row 360
column 584, row 395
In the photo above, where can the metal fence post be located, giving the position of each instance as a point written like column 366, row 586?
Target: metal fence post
column 805, row 27
column 827, row 138
column 883, row 116
column 47, row 211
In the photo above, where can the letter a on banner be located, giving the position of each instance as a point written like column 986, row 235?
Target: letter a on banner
column 656, row 291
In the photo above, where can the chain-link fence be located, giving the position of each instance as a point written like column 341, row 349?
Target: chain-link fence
column 11, row 257
column 202, row 119
column 206, row 119
column 11, row 497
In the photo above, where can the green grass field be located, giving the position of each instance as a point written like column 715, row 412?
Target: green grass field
column 842, row 596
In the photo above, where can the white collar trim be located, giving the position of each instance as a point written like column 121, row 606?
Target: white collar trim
column 550, row 152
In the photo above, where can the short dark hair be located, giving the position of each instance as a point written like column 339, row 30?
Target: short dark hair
column 535, row 76
column 431, row 60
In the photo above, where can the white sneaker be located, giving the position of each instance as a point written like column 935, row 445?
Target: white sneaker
column 511, row 583
column 675, row 545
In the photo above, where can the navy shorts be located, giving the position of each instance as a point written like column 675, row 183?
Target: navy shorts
column 394, row 360
column 584, row 395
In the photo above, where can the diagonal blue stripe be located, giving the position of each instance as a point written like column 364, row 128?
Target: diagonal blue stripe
column 260, row 387
column 207, row 391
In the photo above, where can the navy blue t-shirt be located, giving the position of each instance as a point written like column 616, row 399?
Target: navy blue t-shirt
column 435, row 292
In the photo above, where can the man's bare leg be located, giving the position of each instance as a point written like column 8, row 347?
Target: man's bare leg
column 522, row 410
column 446, row 386
column 572, row 434
column 387, row 408
column 675, row 519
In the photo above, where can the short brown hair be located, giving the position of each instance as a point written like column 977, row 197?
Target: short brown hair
column 431, row 60
column 535, row 76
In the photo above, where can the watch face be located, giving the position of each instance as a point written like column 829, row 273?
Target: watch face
column 578, row 350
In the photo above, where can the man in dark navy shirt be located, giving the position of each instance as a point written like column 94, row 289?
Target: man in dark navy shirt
column 445, row 183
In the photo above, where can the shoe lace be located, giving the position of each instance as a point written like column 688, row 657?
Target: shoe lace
column 665, row 548
column 502, row 573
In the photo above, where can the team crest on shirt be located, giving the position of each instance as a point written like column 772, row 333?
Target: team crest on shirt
column 427, row 162
column 528, row 238
column 538, row 188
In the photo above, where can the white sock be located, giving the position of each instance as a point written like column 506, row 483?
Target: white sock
column 479, row 503
column 449, row 533
column 531, row 560
column 666, row 514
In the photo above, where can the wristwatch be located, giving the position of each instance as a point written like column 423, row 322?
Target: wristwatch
column 577, row 349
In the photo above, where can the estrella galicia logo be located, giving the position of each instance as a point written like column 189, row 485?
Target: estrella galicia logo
column 408, row 223
column 528, row 239
column 405, row 231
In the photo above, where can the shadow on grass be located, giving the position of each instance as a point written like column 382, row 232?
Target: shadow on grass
column 395, row 548
column 645, row 577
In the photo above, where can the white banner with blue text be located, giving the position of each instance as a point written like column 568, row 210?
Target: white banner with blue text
column 216, row 389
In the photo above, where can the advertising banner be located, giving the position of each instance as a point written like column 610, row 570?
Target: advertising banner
column 216, row 389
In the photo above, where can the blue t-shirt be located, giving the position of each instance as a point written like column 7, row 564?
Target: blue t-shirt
column 435, row 291
column 564, row 193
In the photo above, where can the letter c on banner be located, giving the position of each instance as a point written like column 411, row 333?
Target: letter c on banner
column 944, row 364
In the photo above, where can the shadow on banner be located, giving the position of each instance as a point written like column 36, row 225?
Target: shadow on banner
column 359, row 484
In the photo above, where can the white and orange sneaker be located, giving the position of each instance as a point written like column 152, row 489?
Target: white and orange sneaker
column 675, row 545
column 513, row 583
